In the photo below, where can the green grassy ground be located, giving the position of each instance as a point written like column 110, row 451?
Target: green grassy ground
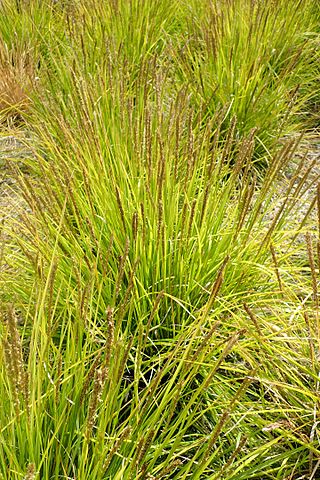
column 160, row 320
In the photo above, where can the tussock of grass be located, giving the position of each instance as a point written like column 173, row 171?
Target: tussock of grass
column 17, row 78
column 236, row 54
column 159, row 320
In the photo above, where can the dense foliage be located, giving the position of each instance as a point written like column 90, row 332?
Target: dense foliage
column 159, row 294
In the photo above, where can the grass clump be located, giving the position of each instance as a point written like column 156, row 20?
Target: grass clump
column 236, row 53
column 17, row 80
column 165, row 320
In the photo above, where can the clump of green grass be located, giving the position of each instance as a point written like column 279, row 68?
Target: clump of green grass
column 162, row 325
column 237, row 54
column 231, row 396
column 169, row 210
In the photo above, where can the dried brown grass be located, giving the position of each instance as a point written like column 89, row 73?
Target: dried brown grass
column 17, row 79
